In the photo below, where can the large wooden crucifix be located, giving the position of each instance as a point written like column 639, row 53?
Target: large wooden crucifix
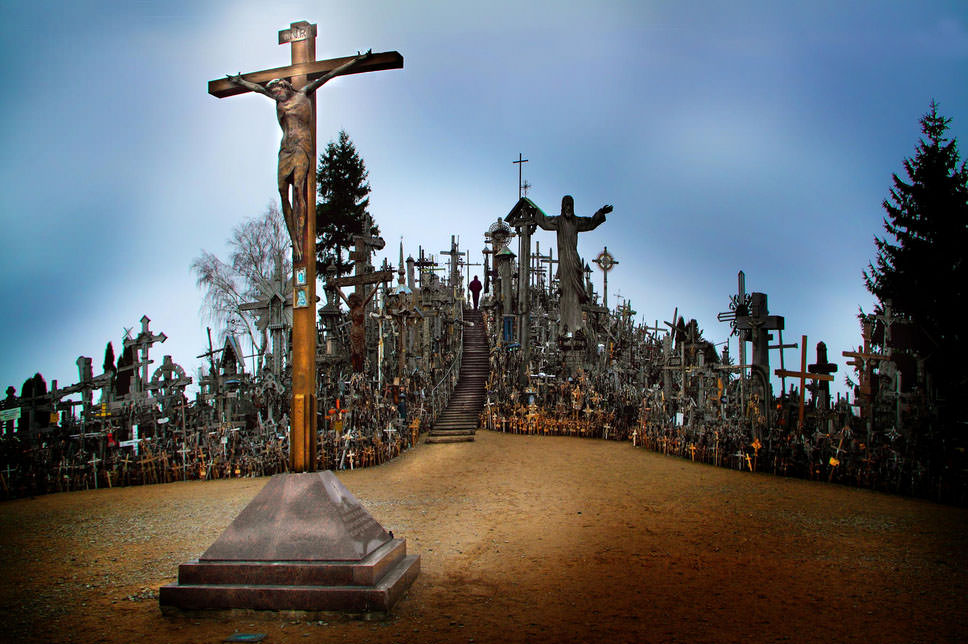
column 292, row 88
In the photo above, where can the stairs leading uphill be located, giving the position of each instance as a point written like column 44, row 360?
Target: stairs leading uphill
column 458, row 422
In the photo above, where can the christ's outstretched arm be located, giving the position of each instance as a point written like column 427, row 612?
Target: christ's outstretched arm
column 309, row 88
column 252, row 87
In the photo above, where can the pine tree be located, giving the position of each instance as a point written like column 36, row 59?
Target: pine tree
column 108, row 365
column 123, row 378
column 341, row 211
column 922, row 271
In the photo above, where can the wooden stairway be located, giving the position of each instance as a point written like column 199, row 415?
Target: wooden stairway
column 458, row 422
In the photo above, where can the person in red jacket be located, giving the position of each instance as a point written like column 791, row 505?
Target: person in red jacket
column 475, row 288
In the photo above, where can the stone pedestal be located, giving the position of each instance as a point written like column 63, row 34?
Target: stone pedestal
column 304, row 543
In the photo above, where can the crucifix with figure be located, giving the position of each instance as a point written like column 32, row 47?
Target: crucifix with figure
column 293, row 90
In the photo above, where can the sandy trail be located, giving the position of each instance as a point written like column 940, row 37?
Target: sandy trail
column 524, row 538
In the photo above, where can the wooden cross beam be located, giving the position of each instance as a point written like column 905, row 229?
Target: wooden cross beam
column 223, row 88
column 803, row 374
column 376, row 277
column 296, row 111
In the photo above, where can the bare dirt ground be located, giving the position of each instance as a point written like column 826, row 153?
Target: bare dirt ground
column 524, row 538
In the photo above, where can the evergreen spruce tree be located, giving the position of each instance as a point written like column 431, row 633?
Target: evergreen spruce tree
column 108, row 365
column 341, row 210
column 920, row 264
column 122, row 378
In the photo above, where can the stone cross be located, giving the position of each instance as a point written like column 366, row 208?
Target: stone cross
column 298, row 120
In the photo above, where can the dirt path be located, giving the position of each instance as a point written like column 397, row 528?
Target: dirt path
column 524, row 538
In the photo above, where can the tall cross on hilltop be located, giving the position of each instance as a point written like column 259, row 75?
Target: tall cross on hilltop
column 520, row 163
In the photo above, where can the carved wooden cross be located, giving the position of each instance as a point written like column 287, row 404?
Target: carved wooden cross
column 803, row 374
column 303, row 70
column 863, row 360
column 363, row 247
column 454, row 253
column 142, row 344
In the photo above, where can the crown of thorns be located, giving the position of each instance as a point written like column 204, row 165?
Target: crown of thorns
column 279, row 81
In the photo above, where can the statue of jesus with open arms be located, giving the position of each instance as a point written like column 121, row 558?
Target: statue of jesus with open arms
column 570, row 280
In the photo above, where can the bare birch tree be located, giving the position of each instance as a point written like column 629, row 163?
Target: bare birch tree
column 259, row 254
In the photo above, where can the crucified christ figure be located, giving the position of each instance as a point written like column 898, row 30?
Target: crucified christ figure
column 295, row 113
column 358, row 329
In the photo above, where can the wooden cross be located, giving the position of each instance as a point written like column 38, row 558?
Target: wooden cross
column 454, row 253
column 779, row 345
column 363, row 247
column 390, row 431
column 143, row 343
column 803, row 375
column 520, row 163
column 424, row 264
column 376, row 277
column 93, row 463
column 823, row 366
column 550, row 261
column 304, row 71
column 863, row 360
column 184, row 451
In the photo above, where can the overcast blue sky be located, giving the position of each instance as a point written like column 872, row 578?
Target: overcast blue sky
column 728, row 135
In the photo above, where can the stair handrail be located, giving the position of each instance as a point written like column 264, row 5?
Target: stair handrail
column 440, row 397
